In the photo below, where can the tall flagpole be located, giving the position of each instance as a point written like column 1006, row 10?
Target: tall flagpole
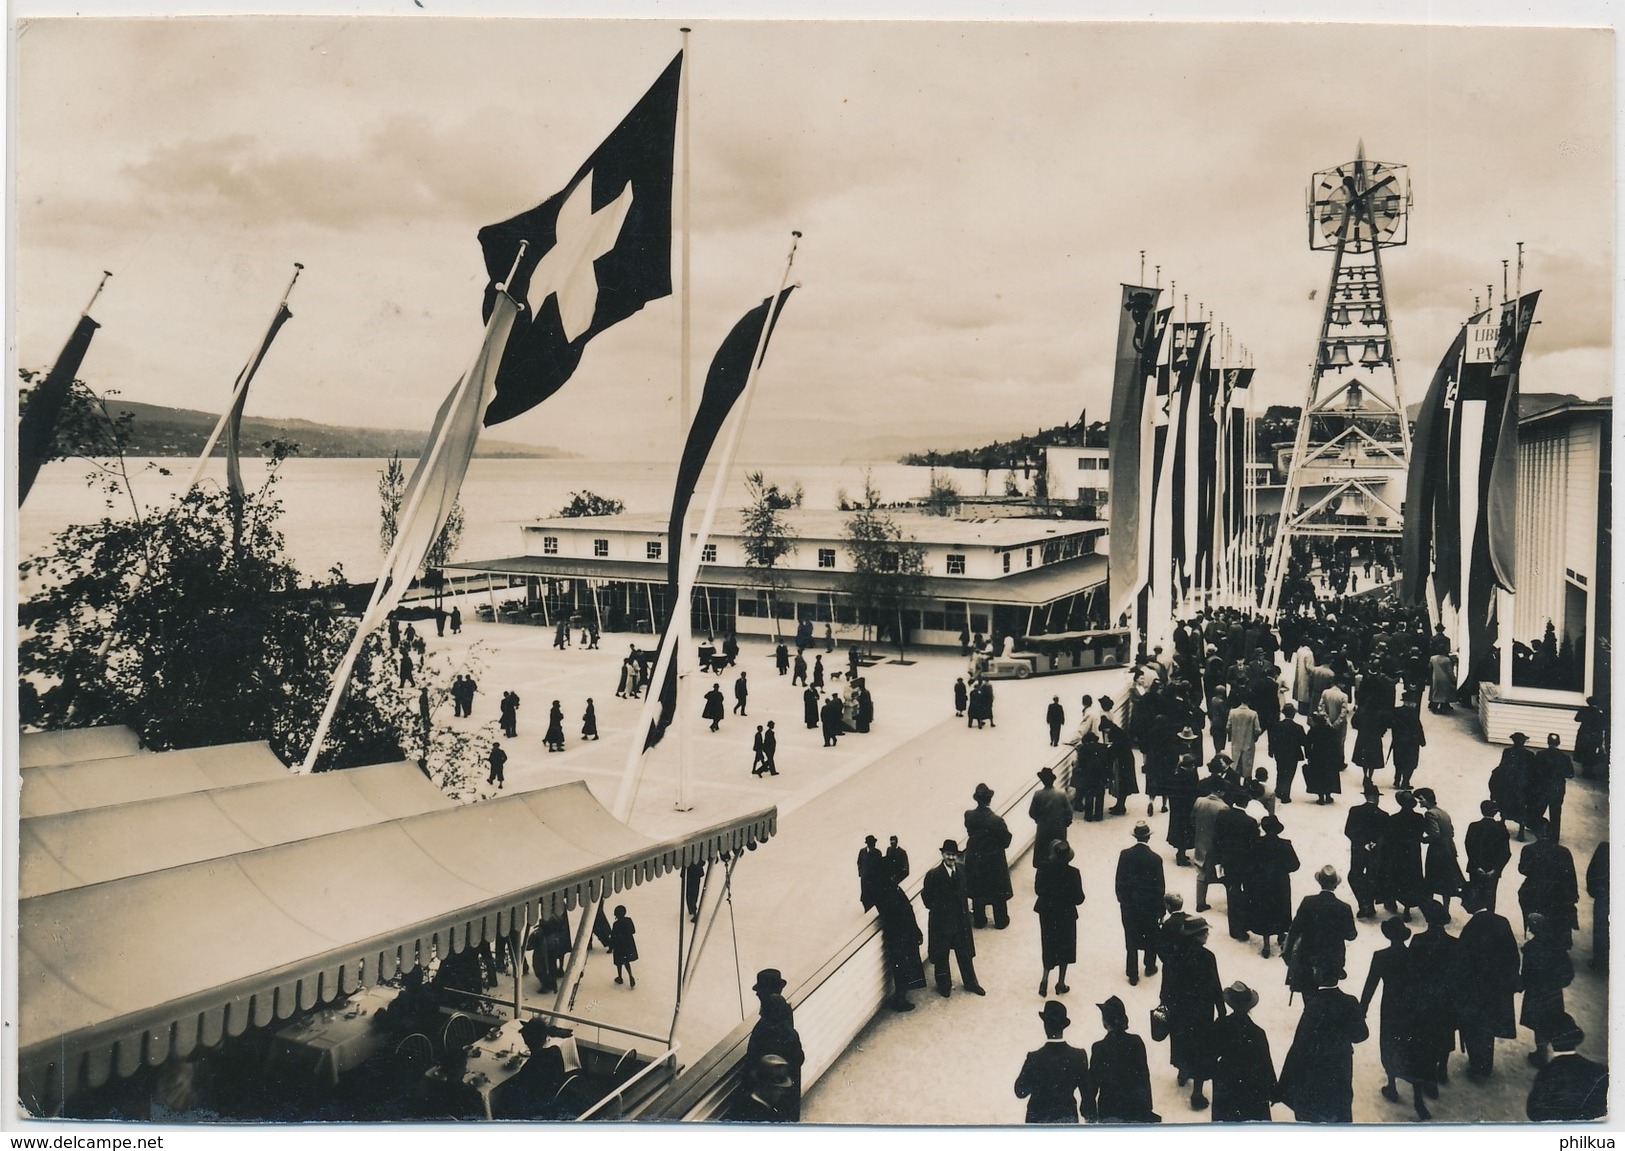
column 632, row 776
column 685, row 779
column 236, row 394
column 341, row 679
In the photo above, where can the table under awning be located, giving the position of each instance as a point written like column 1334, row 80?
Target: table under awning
column 150, row 775
column 128, row 972
column 78, row 848
column 75, row 745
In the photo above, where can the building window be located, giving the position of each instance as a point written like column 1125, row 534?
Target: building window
column 1029, row 557
column 956, row 565
column 708, row 554
column 550, row 545
column 600, row 547
column 826, row 557
column 1007, row 563
column 888, row 561
column 651, row 550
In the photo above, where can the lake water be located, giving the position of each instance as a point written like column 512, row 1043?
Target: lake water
column 332, row 504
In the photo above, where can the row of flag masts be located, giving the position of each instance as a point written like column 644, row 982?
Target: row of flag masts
column 1181, row 462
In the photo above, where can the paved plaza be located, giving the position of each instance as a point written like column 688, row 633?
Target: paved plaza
column 796, row 899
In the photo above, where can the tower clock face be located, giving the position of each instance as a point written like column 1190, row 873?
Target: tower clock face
column 1361, row 201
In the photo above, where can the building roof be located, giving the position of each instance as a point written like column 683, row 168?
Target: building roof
column 115, row 975
column 820, row 525
column 54, row 789
column 1034, row 586
column 75, row 745
column 1571, row 407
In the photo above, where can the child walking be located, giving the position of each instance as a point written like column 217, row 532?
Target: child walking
column 621, row 946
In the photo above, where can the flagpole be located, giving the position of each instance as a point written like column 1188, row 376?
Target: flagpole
column 106, row 275
column 236, row 394
column 685, row 779
column 341, row 679
column 632, row 777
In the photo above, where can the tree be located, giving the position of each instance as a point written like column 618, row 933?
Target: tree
column 590, row 504
column 942, row 497
column 767, row 536
column 391, row 491
column 888, row 567
column 87, row 430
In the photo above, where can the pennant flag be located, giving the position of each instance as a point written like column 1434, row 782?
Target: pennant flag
column 1239, row 382
column 36, row 431
column 438, row 476
column 1190, row 358
column 1137, row 333
column 1430, row 460
column 724, row 384
column 1502, row 498
column 598, row 251
column 234, row 423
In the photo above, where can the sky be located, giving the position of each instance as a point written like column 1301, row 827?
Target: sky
column 971, row 194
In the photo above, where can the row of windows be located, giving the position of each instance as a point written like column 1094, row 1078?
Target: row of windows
column 651, row 549
column 1054, row 551
column 1091, row 464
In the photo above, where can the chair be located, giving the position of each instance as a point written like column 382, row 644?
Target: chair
column 416, row 1051
column 461, row 1031
column 625, row 1067
column 563, row 1103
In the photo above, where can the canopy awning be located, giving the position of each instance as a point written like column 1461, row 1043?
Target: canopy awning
column 150, row 775
column 117, row 974
column 76, row 745
column 78, row 848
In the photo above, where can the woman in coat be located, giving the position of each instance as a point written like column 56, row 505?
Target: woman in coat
column 1399, row 855
column 1125, row 779
column 1059, row 891
column 1370, row 725
column 1243, row 1072
column 589, row 722
column 809, row 708
column 1317, row 1075
column 1322, row 760
column 1402, row 1056
column 1269, row 887
column 554, row 739
column 1193, row 999
column 1181, row 798
column 1441, row 869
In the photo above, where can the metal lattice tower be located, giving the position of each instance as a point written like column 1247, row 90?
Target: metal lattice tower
column 1346, row 476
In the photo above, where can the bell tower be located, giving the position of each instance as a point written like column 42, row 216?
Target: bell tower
column 1346, row 473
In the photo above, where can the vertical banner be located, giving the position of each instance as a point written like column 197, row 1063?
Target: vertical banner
column 1136, row 333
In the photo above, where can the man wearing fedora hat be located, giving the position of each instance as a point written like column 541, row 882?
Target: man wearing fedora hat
column 1317, row 941
column 1570, row 1087
column 987, row 871
column 1509, row 782
column 1141, row 884
column 1193, row 998
column 775, row 1034
column 1550, row 885
column 1243, row 1072
column 771, row 1082
column 1051, row 811
column 1055, row 1078
column 871, row 869
column 1364, row 830
column 1486, row 977
column 1317, row 1075
column 948, row 921
column 1118, row 1068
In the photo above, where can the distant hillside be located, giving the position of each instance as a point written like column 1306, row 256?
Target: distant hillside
column 163, row 431
column 1013, row 453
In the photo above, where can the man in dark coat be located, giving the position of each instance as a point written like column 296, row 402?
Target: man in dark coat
column 1486, row 978
column 1141, row 884
column 871, row 870
column 1051, row 811
column 1235, row 840
column 1316, row 943
column 741, row 694
column 1055, row 1079
column 1549, row 776
column 896, row 862
column 1364, row 829
column 1055, row 716
column 1121, row 1077
column 987, row 872
column 961, row 697
column 830, row 716
column 771, row 1082
column 775, row 1034
column 1091, row 777
column 1570, row 1088
column 1286, row 749
column 900, row 938
column 1317, row 1075
column 1489, row 850
column 809, row 708
column 713, row 706
column 1597, row 888
column 1509, row 782
column 1549, row 884
column 948, row 922
column 781, row 658
column 1244, row 1073
column 770, row 748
